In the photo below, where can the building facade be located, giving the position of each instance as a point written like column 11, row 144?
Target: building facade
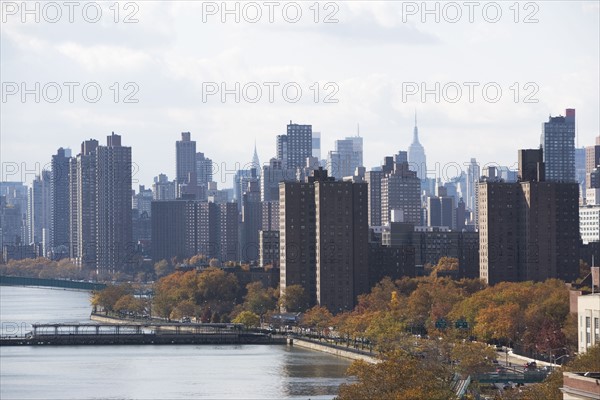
column 558, row 143
column 528, row 230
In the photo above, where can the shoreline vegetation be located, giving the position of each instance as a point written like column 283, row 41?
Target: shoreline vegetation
column 427, row 331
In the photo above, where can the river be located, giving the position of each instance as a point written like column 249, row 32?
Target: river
column 149, row 372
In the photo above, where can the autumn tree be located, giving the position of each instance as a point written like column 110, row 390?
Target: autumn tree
column 399, row 376
column 108, row 297
column 258, row 299
column 317, row 318
column 130, row 303
column 217, row 289
column 185, row 308
column 500, row 323
column 294, row 299
column 197, row 260
column 473, row 357
column 162, row 268
column 445, row 265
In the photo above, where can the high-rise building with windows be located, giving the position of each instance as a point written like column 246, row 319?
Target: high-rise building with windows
column 529, row 230
column 38, row 210
column 186, row 168
column 282, row 149
column 204, row 170
column 347, row 156
column 185, row 159
column 401, row 192
column 558, row 143
column 299, row 145
column 272, row 174
column 592, row 161
column 324, row 239
column 316, row 145
column 101, row 206
column 115, row 249
column 163, row 188
column 84, row 199
column 59, row 229
column 471, row 184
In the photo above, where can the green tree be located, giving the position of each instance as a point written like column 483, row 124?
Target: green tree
column 247, row 318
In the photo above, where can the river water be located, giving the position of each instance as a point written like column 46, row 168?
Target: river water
column 149, row 372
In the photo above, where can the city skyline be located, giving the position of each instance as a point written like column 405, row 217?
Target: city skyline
column 437, row 169
column 394, row 50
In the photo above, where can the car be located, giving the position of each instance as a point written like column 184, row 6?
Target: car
column 532, row 365
column 186, row 320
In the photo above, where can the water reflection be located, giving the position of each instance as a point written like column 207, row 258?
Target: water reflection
column 151, row 372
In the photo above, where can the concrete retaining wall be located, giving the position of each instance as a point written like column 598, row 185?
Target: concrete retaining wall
column 336, row 351
column 112, row 320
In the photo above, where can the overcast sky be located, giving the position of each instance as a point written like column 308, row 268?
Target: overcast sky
column 372, row 61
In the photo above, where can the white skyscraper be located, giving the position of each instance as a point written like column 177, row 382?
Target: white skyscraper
column 416, row 155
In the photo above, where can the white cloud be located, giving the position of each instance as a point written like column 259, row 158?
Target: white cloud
column 101, row 57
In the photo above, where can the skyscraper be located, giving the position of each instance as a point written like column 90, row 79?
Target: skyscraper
column 440, row 210
column 316, row 145
column 255, row 161
column 341, row 243
column 163, row 188
column 38, row 209
column 529, row 230
column 473, row 175
column 272, row 174
column 114, row 250
column 204, row 170
column 251, row 222
column 558, row 143
column 282, row 149
column 297, row 237
column 185, row 159
column 347, row 156
column 59, row 230
column 324, row 239
column 592, row 160
column 416, row 155
column 299, row 145
column 401, row 191
column 84, row 201
column 101, row 216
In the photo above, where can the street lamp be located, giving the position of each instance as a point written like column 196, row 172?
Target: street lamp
column 558, row 358
column 551, row 354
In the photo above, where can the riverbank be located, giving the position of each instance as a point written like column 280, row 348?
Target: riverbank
column 50, row 283
column 333, row 350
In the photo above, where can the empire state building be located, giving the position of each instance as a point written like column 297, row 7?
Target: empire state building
column 416, row 155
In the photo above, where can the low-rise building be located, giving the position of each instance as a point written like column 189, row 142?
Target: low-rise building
column 588, row 321
column 581, row 386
